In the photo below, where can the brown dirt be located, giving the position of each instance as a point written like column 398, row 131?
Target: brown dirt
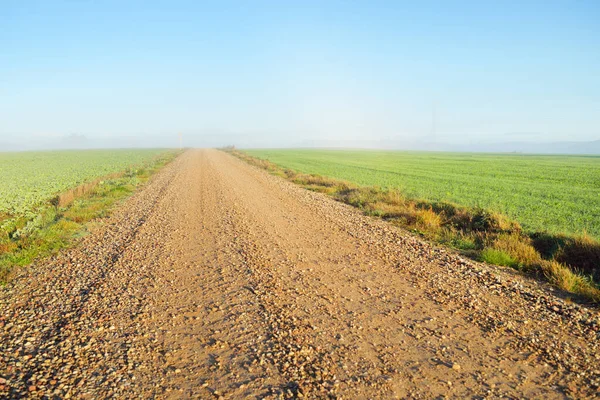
column 218, row 280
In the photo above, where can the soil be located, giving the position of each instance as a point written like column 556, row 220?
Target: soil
column 218, row 280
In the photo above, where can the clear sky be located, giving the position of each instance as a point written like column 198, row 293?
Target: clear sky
column 278, row 73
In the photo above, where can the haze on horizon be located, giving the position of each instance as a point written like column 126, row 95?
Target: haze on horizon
column 382, row 74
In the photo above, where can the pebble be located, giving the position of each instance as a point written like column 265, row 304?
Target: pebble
column 73, row 332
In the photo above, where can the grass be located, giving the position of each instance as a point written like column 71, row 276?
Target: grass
column 31, row 179
column 62, row 219
column 557, row 194
column 497, row 257
column 569, row 262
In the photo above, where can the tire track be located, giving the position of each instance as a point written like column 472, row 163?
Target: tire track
column 220, row 281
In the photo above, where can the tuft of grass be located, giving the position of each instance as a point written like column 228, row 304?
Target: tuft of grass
column 566, row 279
column 570, row 263
column 497, row 257
column 428, row 219
column 518, row 247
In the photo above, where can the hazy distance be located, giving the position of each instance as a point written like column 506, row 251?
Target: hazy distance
column 463, row 75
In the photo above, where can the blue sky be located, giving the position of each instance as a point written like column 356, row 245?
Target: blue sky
column 279, row 73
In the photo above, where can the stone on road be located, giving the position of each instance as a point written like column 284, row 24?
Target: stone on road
column 218, row 280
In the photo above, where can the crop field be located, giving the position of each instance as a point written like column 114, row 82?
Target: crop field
column 47, row 198
column 28, row 179
column 557, row 194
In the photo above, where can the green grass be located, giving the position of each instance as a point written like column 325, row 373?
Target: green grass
column 28, row 179
column 557, row 194
column 570, row 262
column 497, row 257
column 46, row 227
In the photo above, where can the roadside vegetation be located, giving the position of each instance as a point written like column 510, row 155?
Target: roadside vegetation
column 28, row 179
column 49, row 198
column 569, row 262
column 558, row 194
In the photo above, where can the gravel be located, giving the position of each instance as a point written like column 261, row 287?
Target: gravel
column 217, row 280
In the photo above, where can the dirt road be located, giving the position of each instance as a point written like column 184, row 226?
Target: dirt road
column 220, row 281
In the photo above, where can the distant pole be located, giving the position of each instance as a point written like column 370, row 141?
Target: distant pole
column 180, row 141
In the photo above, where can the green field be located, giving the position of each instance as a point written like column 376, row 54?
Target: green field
column 48, row 198
column 558, row 194
column 28, row 179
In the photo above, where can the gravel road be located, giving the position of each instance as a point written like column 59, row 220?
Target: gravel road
column 217, row 280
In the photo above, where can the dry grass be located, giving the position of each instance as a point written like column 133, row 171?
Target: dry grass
column 564, row 278
column 314, row 182
column 66, row 198
column 90, row 211
column 8, row 246
column 4, row 217
column 517, row 247
column 477, row 233
column 582, row 253
column 428, row 219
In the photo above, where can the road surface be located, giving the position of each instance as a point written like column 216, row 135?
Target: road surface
column 218, row 280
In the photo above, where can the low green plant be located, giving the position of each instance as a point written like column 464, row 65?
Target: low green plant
column 497, row 257
column 29, row 180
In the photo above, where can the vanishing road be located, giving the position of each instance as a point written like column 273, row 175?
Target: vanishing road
column 217, row 280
